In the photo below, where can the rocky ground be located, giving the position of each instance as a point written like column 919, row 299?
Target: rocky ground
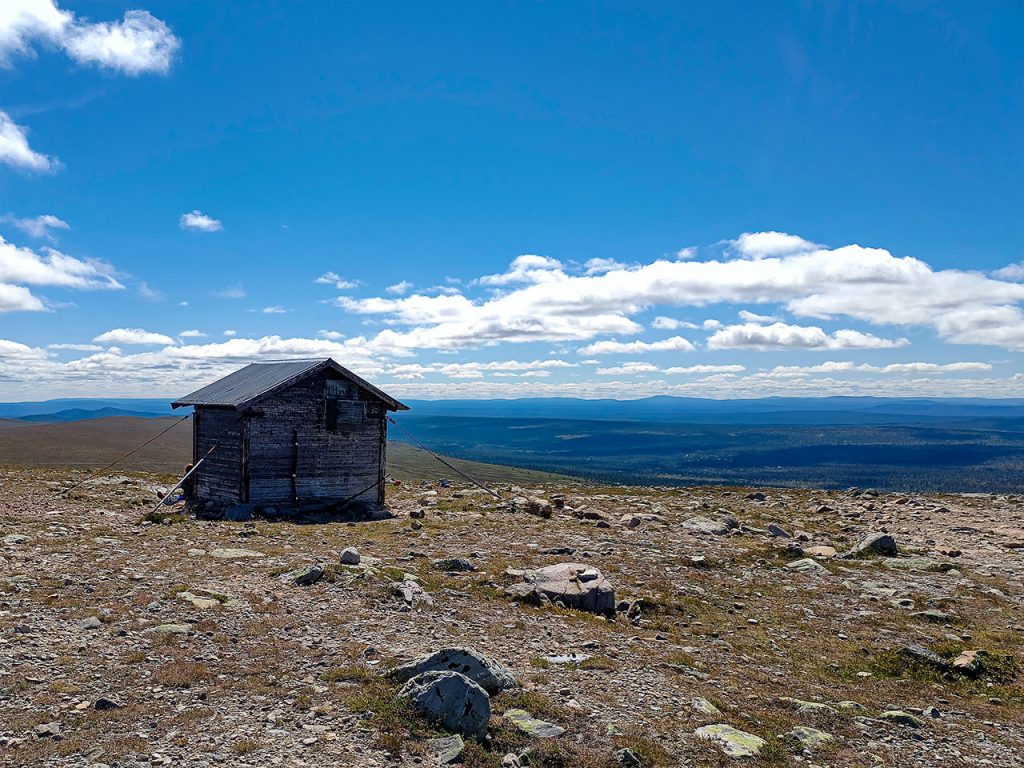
column 129, row 639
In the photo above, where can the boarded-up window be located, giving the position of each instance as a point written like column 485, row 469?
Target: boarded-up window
column 340, row 411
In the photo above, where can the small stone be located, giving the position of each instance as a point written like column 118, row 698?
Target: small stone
column 820, row 550
column 45, row 730
column 934, row 616
column 169, row 629
column 350, row 556
column 778, row 531
column 92, row 622
column 969, row 662
column 808, row 565
column 234, row 553
column 627, row 758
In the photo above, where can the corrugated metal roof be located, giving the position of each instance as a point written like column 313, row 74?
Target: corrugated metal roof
column 257, row 379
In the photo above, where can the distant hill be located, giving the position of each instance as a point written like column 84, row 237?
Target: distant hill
column 93, row 443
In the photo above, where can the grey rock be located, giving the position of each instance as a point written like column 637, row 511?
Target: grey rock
column 734, row 742
column 900, row 717
column 238, row 513
column 874, row 544
column 447, row 750
column 450, row 700
column 923, row 655
column 350, row 556
column 571, row 585
column 627, row 758
column 809, row 738
column 104, row 703
column 808, row 565
column 92, row 622
column 482, row 670
column 705, row 707
column 702, row 524
column 306, row 576
column 778, row 531
column 44, row 730
column 454, row 565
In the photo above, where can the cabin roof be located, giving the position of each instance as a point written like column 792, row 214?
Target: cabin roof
column 258, row 380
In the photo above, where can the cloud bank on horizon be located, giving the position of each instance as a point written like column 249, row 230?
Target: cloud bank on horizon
column 578, row 312
column 761, row 313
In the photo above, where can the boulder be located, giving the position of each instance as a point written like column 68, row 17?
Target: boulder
column 350, row 556
column 450, row 700
column 900, row 717
column 482, row 670
column 572, row 585
column 447, row 750
column 809, row 738
column 807, row 565
column 778, row 531
column 969, row 662
column 874, row 544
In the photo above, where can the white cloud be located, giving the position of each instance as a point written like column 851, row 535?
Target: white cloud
column 230, row 332
column 76, row 347
column 330, row 335
column 277, row 309
column 750, row 317
column 711, row 324
column 191, row 334
column 600, row 266
column 15, row 150
column 1013, row 272
column 132, row 336
column 707, row 369
column 783, row 336
column 528, row 268
column 400, row 288
column 833, row 367
column 38, row 226
column 333, row 278
column 671, row 324
column 21, row 267
column 674, row 344
column 759, row 245
column 233, row 291
column 684, row 254
column 149, row 293
column 628, row 369
column 137, row 44
column 198, row 221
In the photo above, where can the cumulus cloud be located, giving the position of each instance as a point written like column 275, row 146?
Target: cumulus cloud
column 759, row 245
column 528, row 268
column 38, row 227
column 21, row 267
column 671, row 324
column 15, row 149
column 674, row 344
column 707, row 369
column 834, row 367
column 332, row 335
column 628, row 369
column 132, row 336
column 600, row 266
column 333, row 278
column 400, row 288
column 191, row 334
column 197, row 221
column 783, row 336
column 137, row 44
column 1013, row 272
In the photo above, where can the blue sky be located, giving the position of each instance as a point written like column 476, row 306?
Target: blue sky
column 717, row 199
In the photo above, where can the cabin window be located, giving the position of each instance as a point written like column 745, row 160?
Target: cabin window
column 342, row 408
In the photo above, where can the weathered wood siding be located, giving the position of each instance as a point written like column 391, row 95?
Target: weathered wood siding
column 219, row 476
column 326, row 431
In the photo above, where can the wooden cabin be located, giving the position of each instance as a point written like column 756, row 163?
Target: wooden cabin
column 290, row 433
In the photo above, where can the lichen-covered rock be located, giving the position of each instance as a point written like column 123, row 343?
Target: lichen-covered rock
column 531, row 726
column 702, row 524
column 809, row 738
column 571, row 585
column 450, row 700
column 447, row 750
column 482, row 670
column 808, row 565
column 733, row 741
column 306, row 576
column 900, row 717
